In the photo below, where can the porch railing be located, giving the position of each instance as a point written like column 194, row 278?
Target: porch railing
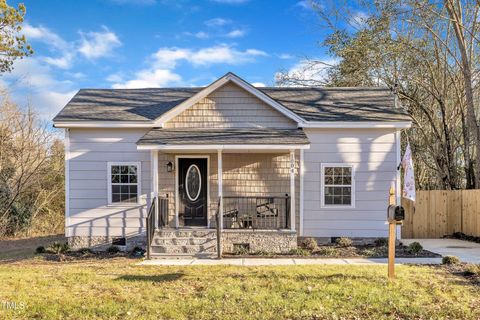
column 252, row 212
column 151, row 226
column 156, row 222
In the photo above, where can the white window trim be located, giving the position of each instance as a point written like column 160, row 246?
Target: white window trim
column 322, row 185
column 139, row 183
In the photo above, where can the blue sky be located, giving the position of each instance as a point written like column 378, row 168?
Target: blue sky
column 156, row 43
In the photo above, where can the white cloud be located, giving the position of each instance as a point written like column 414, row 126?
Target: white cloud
column 258, row 84
column 231, row 1
column 237, row 33
column 217, row 22
column 285, row 56
column 310, row 72
column 44, row 35
column 115, row 77
column 201, row 35
column 32, row 83
column 359, row 20
column 150, row 79
column 168, row 57
column 95, row 45
column 161, row 72
column 305, row 4
column 55, row 44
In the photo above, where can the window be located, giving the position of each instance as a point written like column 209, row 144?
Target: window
column 338, row 185
column 124, row 183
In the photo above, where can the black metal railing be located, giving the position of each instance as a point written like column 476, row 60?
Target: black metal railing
column 264, row 212
column 154, row 221
column 163, row 212
column 219, row 231
column 150, row 225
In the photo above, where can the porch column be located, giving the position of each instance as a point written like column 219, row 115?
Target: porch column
column 220, row 187
column 292, row 190
column 154, row 163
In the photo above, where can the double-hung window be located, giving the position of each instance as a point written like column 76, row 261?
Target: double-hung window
column 338, row 185
column 124, row 182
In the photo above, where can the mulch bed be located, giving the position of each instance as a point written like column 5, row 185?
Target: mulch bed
column 335, row 251
column 463, row 236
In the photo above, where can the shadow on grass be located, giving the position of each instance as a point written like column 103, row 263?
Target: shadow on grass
column 168, row 277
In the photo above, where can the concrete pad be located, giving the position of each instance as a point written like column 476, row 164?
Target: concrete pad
column 300, row 261
column 268, row 262
column 216, row 262
column 466, row 251
column 166, row 262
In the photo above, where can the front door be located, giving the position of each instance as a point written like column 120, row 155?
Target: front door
column 192, row 190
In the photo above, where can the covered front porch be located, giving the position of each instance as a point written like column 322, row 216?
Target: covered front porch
column 234, row 181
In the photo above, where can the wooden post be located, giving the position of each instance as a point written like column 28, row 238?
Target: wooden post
column 392, row 226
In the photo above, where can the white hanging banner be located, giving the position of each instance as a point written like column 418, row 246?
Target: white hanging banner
column 409, row 177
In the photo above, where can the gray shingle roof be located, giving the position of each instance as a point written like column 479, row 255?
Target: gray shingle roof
column 123, row 104
column 339, row 104
column 312, row 104
column 223, row 136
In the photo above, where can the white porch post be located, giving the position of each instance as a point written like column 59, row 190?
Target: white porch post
column 154, row 162
column 292, row 190
column 302, row 173
column 220, row 187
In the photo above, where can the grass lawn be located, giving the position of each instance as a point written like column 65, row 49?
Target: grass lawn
column 118, row 289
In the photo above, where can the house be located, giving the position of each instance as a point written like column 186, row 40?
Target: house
column 164, row 167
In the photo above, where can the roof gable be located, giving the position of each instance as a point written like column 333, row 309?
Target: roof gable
column 230, row 107
column 229, row 77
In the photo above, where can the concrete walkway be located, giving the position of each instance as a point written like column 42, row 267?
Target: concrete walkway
column 466, row 251
column 285, row 261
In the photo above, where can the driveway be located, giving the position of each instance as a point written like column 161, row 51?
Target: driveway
column 466, row 251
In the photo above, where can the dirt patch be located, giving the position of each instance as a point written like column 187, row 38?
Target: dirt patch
column 24, row 248
column 470, row 272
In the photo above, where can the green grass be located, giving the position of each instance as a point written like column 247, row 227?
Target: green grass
column 119, row 289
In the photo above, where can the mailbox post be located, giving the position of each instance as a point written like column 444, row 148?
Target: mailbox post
column 395, row 216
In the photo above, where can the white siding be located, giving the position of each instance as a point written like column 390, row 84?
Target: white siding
column 372, row 152
column 89, row 212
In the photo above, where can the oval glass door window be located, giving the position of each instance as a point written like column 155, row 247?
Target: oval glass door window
column 193, row 182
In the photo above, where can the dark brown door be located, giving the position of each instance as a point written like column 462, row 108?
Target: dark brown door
column 192, row 189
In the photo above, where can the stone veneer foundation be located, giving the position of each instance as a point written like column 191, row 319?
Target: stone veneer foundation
column 260, row 240
column 257, row 240
column 101, row 243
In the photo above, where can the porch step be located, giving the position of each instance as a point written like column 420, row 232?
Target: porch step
column 189, row 249
column 157, row 241
column 172, row 243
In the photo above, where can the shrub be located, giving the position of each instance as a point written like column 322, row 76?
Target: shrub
column 309, row 244
column 344, row 242
column 327, row 251
column 261, row 253
column 113, row 249
column 137, row 252
column 450, row 260
column 240, row 250
column 58, row 248
column 381, row 242
column 414, row 247
column 299, row 252
column 40, row 249
column 84, row 250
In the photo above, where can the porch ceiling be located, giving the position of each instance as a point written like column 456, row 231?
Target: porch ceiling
column 228, row 138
